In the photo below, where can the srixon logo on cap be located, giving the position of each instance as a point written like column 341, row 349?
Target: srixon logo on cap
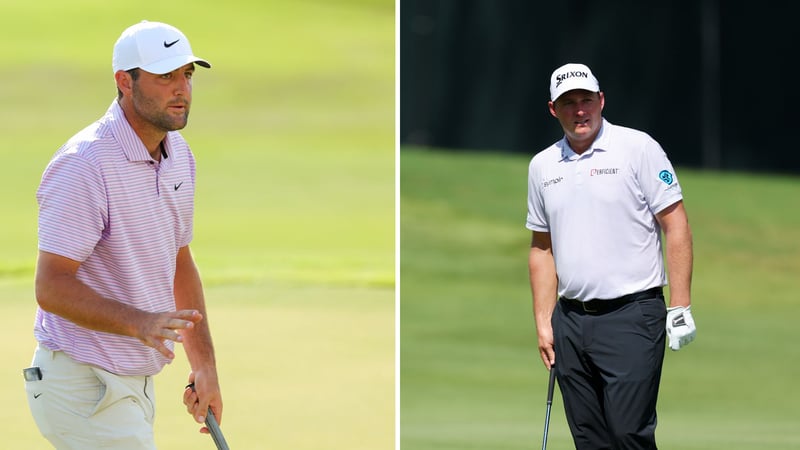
column 575, row 73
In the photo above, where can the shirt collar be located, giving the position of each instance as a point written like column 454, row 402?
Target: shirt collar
column 130, row 142
column 600, row 143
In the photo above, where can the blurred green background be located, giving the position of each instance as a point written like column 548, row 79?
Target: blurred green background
column 293, row 130
column 471, row 376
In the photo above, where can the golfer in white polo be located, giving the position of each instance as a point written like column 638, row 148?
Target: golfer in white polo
column 598, row 201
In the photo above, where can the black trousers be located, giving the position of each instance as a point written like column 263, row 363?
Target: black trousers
column 608, row 366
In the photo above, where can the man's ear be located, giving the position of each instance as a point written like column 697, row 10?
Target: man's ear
column 124, row 82
column 552, row 107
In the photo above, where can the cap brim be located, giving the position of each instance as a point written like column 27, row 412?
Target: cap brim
column 580, row 87
column 170, row 64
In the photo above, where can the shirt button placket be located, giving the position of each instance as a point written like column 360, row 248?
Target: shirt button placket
column 579, row 171
column 155, row 167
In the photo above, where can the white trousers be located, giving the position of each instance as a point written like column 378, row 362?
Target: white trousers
column 82, row 407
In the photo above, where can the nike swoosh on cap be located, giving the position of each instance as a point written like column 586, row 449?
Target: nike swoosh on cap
column 171, row 43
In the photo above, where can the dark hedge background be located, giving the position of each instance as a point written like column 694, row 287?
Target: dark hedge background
column 714, row 82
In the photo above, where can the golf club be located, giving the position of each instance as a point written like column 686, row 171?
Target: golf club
column 213, row 427
column 550, row 386
column 216, row 433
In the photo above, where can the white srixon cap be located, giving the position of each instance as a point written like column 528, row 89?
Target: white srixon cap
column 153, row 47
column 572, row 76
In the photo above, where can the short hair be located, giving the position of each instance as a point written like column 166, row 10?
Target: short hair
column 134, row 75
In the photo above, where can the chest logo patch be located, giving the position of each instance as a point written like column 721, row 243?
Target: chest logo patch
column 551, row 182
column 607, row 171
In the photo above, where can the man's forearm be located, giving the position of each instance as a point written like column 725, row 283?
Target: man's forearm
column 543, row 277
column 60, row 292
column 679, row 265
column 678, row 237
column 544, row 286
column 189, row 295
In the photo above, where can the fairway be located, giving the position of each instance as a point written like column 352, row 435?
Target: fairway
column 293, row 131
column 471, row 377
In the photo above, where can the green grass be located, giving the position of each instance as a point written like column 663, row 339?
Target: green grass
column 471, row 377
column 293, row 129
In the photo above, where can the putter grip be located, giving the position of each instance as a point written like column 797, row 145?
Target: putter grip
column 216, row 432
column 213, row 427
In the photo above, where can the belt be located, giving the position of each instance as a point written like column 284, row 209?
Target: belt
column 600, row 306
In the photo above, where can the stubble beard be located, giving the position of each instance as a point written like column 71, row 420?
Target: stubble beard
column 150, row 111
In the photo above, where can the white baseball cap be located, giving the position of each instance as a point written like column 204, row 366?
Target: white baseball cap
column 572, row 76
column 153, row 47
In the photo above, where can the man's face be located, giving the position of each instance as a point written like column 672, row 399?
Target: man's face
column 164, row 100
column 580, row 114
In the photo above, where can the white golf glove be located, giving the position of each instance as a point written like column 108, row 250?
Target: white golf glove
column 680, row 327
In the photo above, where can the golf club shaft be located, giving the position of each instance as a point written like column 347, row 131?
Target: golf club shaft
column 216, row 432
column 213, row 426
column 550, row 385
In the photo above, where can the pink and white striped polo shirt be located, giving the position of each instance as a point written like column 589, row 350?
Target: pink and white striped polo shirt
column 103, row 201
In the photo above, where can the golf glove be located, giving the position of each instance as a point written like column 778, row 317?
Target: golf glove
column 680, row 327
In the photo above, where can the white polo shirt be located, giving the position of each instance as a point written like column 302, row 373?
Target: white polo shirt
column 103, row 201
column 599, row 210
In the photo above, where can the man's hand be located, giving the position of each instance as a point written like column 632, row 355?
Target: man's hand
column 202, row 393
column 546, row 350
column 680, row 326
column 158, row 327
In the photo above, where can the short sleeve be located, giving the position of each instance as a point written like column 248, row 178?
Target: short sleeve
column 72, row 207
column 536, row 220
column 657, row 178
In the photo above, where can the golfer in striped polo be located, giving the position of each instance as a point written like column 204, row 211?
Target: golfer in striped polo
column 116, row 283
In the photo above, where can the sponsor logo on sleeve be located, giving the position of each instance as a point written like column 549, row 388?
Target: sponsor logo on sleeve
column 666, row 177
